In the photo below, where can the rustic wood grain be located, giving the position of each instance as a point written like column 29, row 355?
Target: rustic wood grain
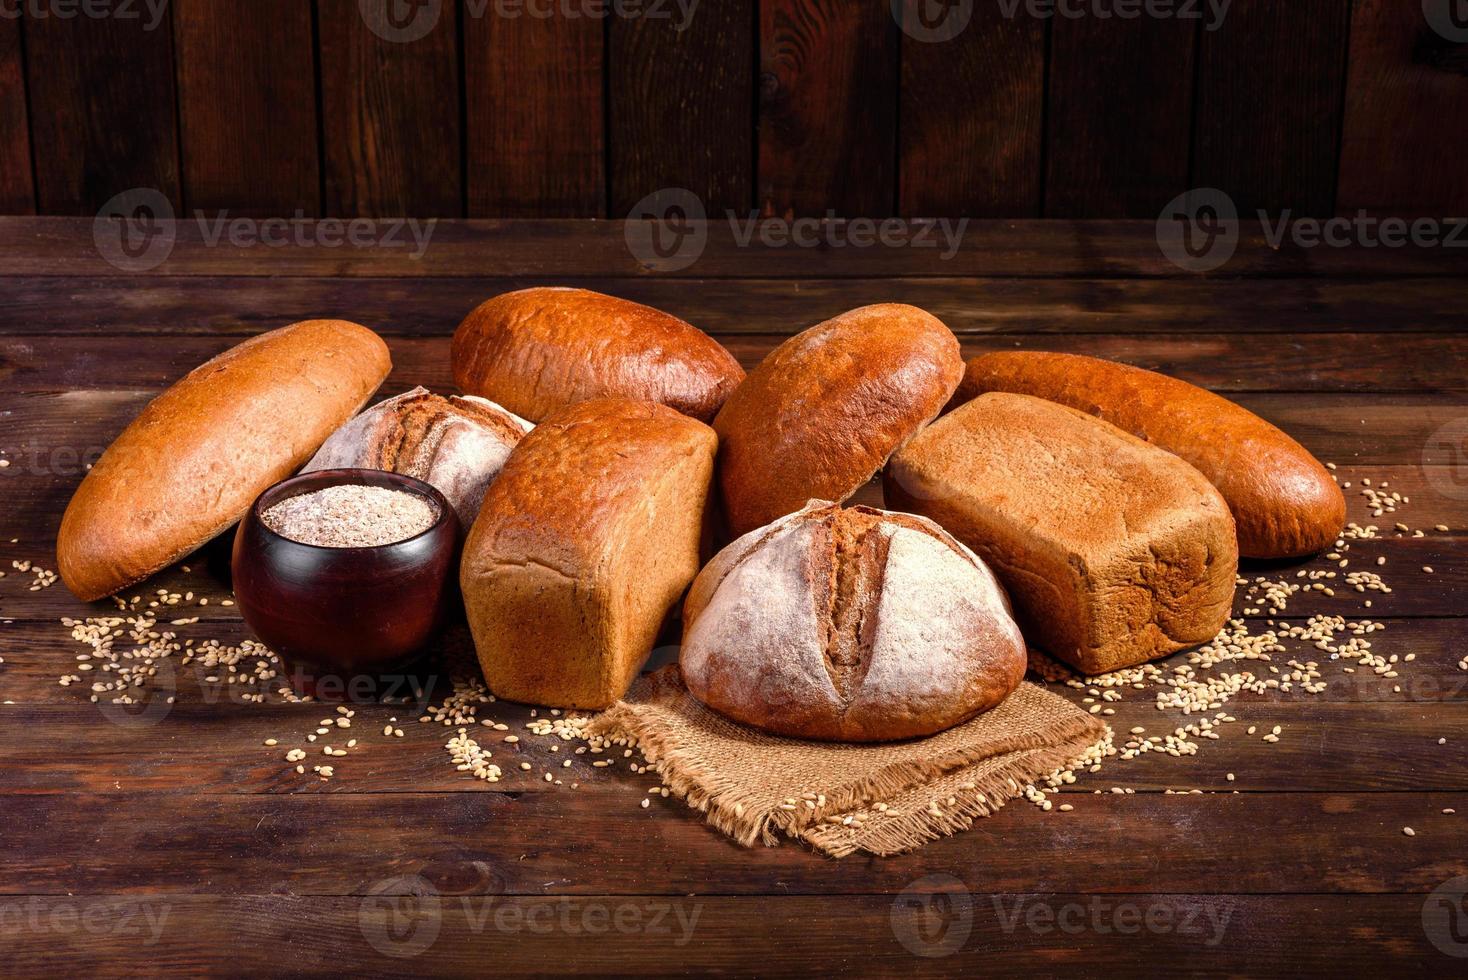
column 1286, row 936
column 562, row 250
column 534, row 112
column 1271, row 317
column 680, row 105
column 391, row 114
column 103, row 117
column 1397, row 156
column 827, row 108
column 247, row 107
column 972, row 116
column 1118, row 117
column 1397, row 362
column 17, row 188
column 1268, row 108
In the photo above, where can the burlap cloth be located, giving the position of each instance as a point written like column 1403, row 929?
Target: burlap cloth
column 754, row 786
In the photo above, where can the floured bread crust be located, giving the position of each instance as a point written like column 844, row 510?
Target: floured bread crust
column 458, row 444
column 850, row 625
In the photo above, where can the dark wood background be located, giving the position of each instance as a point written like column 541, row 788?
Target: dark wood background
column 267, row 107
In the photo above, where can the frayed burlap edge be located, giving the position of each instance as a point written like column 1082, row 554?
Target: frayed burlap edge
column 978, row 778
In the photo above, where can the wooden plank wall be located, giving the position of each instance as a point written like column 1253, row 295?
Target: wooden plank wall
column 342, row 107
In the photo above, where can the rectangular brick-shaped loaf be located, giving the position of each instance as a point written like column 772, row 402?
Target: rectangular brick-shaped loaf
column 1114, row 552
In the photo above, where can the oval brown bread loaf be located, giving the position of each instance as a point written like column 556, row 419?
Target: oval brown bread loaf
column 1113, row 551
column 535, row 351
column 584, row 543
column 825, row 409
column 854, row 625
column 1284, row 502
column 196, row 458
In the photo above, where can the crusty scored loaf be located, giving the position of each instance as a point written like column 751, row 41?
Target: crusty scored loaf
column 537, row 350
column 850, row 625
column 193, row 461
column 1114, row 552
column 584, row 542
column 825, row 409
column 458, row 444
column 1284, row 502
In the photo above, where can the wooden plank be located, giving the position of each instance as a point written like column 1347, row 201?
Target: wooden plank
column 681, row 106
column 1118, row 149
column 1267, row 118
column 561, row 843
column 102, row 109
column 572, row 249
column 17, row 188
column 391, row 112
column 1075, row 311
column 535, row 117
column 873, row 934
column 247, row 107
column 1397, row 156
column 972, row 114
column 1379, row 363
column 827, row 108
column 51, row 653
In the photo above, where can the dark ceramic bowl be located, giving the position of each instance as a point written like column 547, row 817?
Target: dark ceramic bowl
column 339, row 617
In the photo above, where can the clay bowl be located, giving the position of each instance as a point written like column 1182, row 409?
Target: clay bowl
column 341, row 618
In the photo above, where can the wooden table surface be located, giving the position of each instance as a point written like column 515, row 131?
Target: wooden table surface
column 174, row 841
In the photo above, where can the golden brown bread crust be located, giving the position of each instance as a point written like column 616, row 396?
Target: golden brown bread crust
column 198, row 455
column 1114, row 552
column 1284, row 502
column 584, row 542
column 535, row 351
column 826, row 408
column 855, row 625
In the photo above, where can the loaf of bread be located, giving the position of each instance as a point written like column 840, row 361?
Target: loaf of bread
column 1284, row 502
column 584, row 543
column 1114, row 552
column 855, row 625
column 457, row 444
column 535, row 351
column 821, row 414
column 196, row 458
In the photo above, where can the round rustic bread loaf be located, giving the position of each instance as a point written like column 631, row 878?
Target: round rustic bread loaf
column 536, row 351
column 825, row 409
column 196, row 458
column 857, row 625
column 458, row 444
